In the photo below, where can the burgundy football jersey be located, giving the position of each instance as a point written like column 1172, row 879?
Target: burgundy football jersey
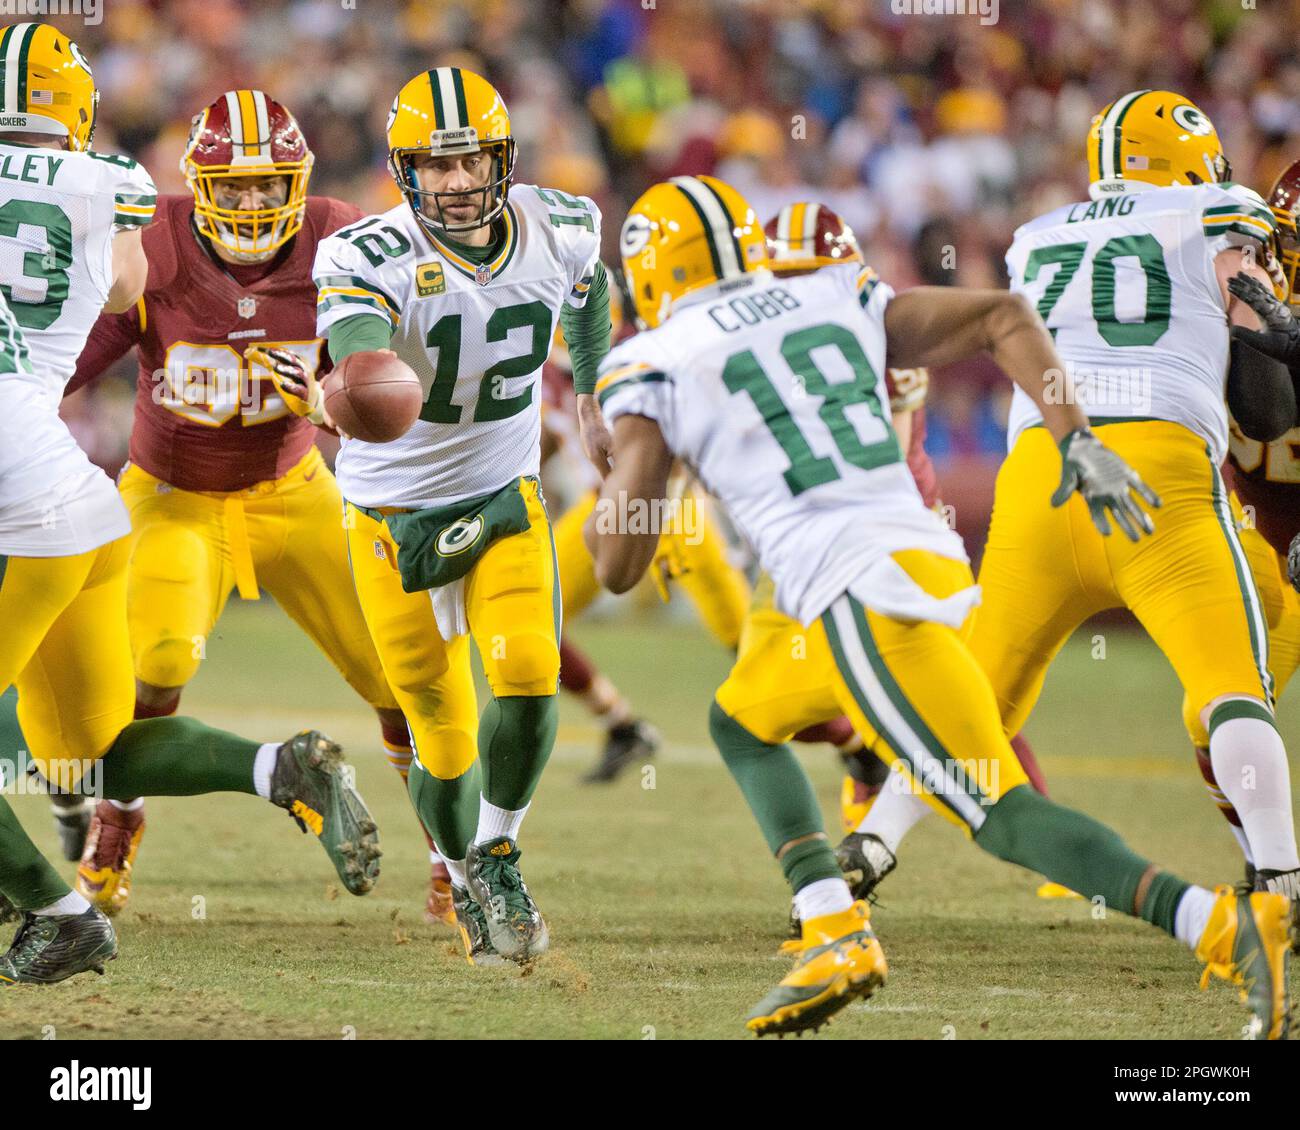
column 1266, row 477
column 206, row 418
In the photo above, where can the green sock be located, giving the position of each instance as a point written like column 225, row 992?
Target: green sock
column 1078, row 852
column 779, row 795
column 515, row 737
column 12, row 742
column 176, row 757
column 448, row 807
column 26, row 878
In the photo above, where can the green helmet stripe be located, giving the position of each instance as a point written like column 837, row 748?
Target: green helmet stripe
column 708, row 232
column 458, row 84
column 24, row 48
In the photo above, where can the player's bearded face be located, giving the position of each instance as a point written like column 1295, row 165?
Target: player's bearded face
column 461, row 180
column 250, row 194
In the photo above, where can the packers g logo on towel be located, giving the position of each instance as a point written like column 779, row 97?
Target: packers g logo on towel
column 459, row 536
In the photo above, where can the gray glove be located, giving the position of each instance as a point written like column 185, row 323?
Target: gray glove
column 1106, row 482
column 1280, row 338
column 1293, row 563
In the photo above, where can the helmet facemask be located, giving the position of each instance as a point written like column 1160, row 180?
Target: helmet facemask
column 249, row 235
column 428, row 205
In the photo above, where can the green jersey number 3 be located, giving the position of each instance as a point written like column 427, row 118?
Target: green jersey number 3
column 49, row 266
column 743, row 373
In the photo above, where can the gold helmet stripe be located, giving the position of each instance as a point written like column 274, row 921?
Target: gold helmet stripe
column 14, row 47
column 1110, row 138
column 810, row 215
column 724, row 249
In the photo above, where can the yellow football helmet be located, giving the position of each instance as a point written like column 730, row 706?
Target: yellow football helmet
column 683, row 234
column 1152, row 137
column 448, row 112
column 47, row 85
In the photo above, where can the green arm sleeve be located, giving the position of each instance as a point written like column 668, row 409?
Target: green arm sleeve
column 586, row 331
column 358, row 333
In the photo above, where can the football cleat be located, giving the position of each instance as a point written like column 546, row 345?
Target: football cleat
column 627, row 743
column 1279, row 882
column 1247, row 943
column 514, row 923
column 439, row 909
column 108, row 860
column 52, row 947
column 312, row 783
column 72, row 815
column 856, row 799
column 840, row 962
column 1050, row 890
column 470, row 921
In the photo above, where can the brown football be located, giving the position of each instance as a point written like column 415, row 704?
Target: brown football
column 373, row 395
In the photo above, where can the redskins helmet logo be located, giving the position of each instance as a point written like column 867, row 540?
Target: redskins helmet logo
column 459, row 536
column 635, row 235
column 1192, row 120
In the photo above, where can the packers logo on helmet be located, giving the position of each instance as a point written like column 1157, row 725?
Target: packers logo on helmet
column 449, row 112
column 1153, row 137
column 684, row 234
column 45, row 85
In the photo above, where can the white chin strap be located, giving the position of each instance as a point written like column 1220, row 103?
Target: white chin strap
column 251, row 250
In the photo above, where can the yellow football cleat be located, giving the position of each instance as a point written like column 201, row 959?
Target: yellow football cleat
column 841, row 961
column 856, row 800
column 1051, row 890
column 104, row 873
column 1247, row 942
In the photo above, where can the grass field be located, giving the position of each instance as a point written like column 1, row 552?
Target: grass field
column 665, row 909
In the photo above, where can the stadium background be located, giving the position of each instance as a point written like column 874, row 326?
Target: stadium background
column 665, row 909
column 934, row 136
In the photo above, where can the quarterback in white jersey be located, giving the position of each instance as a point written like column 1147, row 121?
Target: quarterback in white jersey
column 772, row 392
column 448, row 532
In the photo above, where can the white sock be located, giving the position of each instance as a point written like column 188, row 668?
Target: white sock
column 71, row 903
column 494, row 821
column 896, row 811
column 128, row 805
column 1243, row 843
column 1192, row 914
column 456, row 869
column 1250, row 767
column 263, row 764
column 825, row 896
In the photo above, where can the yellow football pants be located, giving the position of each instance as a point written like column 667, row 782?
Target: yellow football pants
column 1047, row 570
column 191, row 548
column 695, row 559
column 912, row 690
column 512, row 605
column 1281, row 609
column 65, row 644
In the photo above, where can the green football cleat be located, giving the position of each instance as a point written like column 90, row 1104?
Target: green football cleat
column 313, row 784
column 72, row 815
column 473, row 930
column 1247, row 942
column 53, row 947
column 514, row 923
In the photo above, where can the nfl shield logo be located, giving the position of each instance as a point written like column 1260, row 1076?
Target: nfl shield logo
column 482, row 274
column 247, row 307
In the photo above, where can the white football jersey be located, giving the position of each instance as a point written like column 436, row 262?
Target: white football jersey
column 59, row 212
column 773, row 392
column 1128, row 288
column 476, row 336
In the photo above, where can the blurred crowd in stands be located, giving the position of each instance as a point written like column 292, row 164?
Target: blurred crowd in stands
column 934, row 136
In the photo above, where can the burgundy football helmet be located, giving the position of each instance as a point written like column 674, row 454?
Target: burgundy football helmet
column 802, row 237
column 1284, row 200
column 247, row 133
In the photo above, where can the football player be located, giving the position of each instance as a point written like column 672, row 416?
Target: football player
column 1134, row 286
column 449, row 536
column 1265, row 477
column 70, row 223
column 770, row 390
column 225, row 488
